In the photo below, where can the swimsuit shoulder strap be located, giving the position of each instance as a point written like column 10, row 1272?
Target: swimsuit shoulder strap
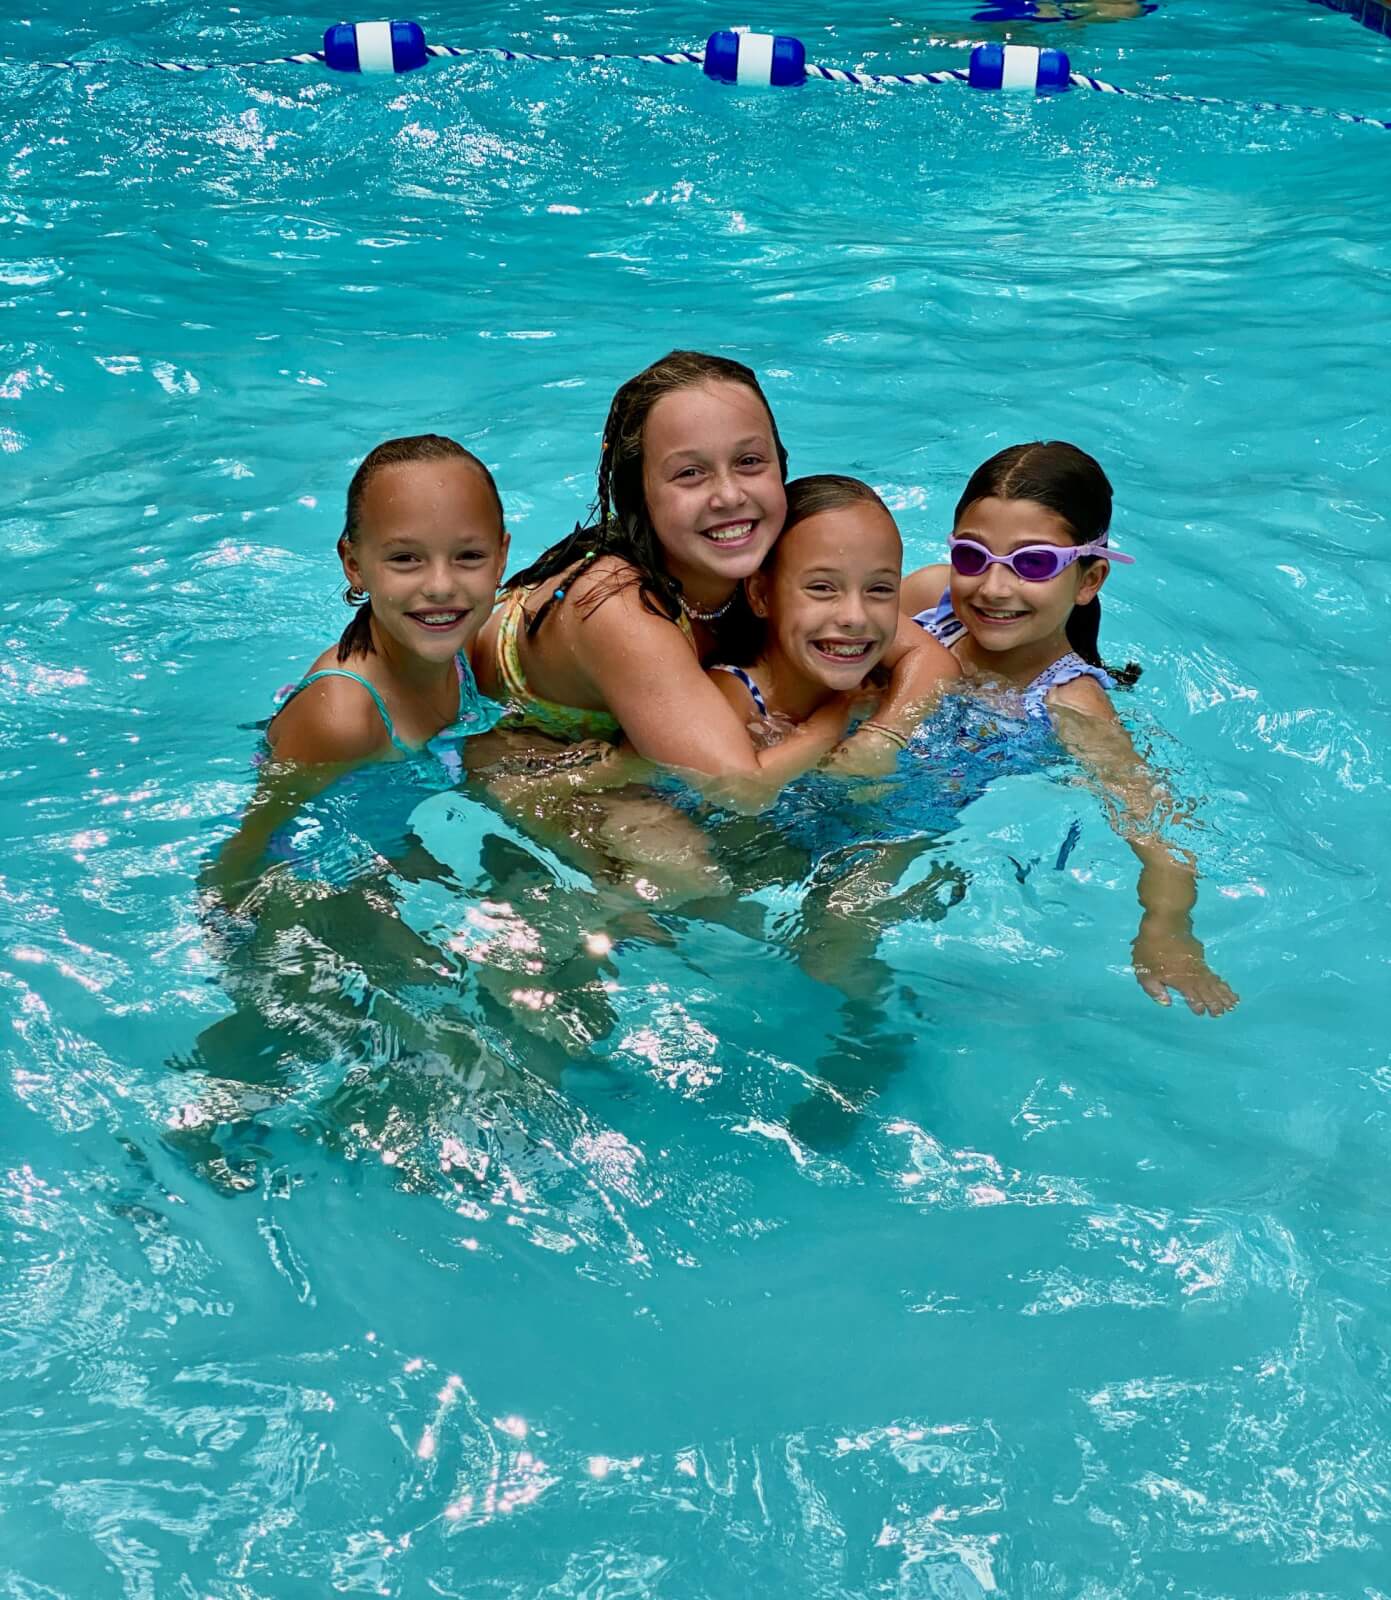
column 508, row 656
column 288, row 693
column 524, row 707
column 477, row 713
column 755, row 693
column 942, row 622
column 1064, row 670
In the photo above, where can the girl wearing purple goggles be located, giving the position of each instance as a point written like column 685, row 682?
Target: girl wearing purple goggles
column 1018, row 605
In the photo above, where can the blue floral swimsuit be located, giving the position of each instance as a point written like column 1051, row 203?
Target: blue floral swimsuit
column 947, row 629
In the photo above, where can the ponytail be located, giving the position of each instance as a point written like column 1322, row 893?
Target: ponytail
column 356, row 638
column 1084, row 634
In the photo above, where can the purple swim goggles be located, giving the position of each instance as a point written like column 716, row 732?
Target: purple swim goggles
column 1034, row 563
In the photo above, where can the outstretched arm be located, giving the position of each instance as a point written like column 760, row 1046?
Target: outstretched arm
column 1166, row 952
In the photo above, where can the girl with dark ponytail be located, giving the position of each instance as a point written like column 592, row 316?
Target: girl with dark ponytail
column 422, row 548
column 1018, row 605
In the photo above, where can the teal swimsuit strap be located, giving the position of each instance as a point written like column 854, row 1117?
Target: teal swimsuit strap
column 342, row 672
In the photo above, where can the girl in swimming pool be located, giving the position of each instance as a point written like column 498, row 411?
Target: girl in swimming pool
column 605, row 633
column 1018, row 606
column 826, row 599
column 423, row 547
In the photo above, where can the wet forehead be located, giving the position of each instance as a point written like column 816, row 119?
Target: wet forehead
column 856, row 538
column 1003, row 526
column 706, row 419
column 428, row 499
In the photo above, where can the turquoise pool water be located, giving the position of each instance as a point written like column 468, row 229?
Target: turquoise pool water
column 1089, row 1299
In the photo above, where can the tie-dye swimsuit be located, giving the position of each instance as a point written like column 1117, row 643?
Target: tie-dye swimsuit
column 477, row 714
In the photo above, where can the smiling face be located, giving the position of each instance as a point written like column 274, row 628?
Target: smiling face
column 429, row 549
column 712, row 484
column 999, row 610
column 830, row 594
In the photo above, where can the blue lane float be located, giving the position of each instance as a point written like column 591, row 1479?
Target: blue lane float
column 730, row 57
column 1019, row 66
column 375, row 47
column 775, row 59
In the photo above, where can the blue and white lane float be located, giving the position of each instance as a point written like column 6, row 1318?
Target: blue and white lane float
column 770, row 60
column 375, row 47
column 1019, row 66
column 736, row 56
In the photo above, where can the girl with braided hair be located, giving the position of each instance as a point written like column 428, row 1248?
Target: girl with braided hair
column 604, row 634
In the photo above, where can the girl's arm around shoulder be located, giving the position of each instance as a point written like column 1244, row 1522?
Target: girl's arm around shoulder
column 914, row 651
column 646, row 670
column 920, row 669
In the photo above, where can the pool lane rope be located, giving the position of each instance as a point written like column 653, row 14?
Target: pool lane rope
column 732, row 56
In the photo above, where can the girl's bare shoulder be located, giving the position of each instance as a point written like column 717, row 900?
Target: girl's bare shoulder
column 1085, row 695
column 334, row 719
column 921, row 590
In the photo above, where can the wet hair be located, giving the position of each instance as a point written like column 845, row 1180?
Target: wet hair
column 824, row 491
column 1069, row 483
column 619, row 523
column 356, row 639
column 806, row 498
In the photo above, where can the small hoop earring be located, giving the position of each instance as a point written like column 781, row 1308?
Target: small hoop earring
column 355, row 597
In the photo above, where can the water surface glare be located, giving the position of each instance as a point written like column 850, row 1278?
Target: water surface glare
column 352, row 1262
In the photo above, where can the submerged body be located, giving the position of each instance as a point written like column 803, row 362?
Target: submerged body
column 1018, row 606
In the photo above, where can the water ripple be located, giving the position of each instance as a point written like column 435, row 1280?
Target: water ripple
column 465, row 1232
